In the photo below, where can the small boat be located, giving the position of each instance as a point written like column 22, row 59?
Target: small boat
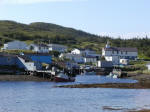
column 61, row 77
column 115, row 74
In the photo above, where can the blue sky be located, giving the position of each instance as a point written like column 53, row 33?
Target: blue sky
column 124, row 18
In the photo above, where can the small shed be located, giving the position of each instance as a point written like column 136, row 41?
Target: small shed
column 124, row 61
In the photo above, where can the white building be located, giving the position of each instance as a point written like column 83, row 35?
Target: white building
column 148, row 66
column 57, row 47
column 40, row 48
column 73, row 57
column 90, row 59
column 84, row 52
column 77, row 51
column 15, row 45
column 114, row 54
column 124, row 61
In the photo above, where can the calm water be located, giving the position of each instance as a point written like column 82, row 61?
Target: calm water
column 43, row 97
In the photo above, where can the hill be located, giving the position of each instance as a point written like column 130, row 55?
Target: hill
column 37, row 30
column 47, row 32
column 52, row 33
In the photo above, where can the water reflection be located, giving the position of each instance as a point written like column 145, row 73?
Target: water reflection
column 90, row 79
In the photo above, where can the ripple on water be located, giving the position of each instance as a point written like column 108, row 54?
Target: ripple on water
column 42, row 97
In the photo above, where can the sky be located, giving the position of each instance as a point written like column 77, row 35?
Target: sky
column 116, row 18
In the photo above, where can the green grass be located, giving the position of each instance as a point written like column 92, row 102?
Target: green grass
column 142, row 56
column 28, row 42
column 137, row 67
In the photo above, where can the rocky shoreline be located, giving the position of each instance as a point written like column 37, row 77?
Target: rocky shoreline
column 22, row 78
column 143, row 83
column 111, row 85
column 108, row 108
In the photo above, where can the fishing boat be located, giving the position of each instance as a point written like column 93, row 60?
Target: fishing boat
column 61, row 77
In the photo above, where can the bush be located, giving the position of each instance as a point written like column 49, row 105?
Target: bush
column 54, row 53
column 134, row 68
column 137, row 62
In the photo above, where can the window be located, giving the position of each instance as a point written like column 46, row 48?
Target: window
column 31, row 47
column 113, row 52
column 117, row 52
column 8, row 59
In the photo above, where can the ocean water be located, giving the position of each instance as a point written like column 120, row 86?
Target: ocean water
column 94, row 79
column 43, row 97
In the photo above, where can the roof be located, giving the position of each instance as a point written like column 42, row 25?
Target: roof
column 58, row 45
column 90, row 57
column 41, row 45
column 121, row 49
column 15, row 41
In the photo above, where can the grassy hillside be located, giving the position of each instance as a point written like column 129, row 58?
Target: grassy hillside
column 47, row 32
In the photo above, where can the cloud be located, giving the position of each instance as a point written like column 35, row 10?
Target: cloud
column 33, row 1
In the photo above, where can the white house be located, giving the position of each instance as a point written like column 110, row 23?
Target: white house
column 84, row 52
column 114, row 59
column 77, row 51
column 73, row 57
column 57, row 47
column 15, row 45
column 148, row 66
column 116, row 53
column 90, row 59
column 40, row 48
